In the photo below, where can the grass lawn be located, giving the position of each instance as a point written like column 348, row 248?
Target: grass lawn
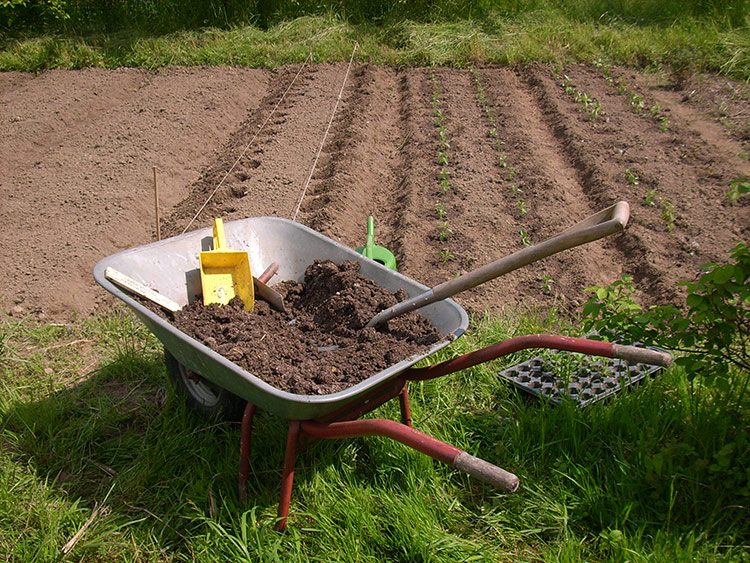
column 538, row 35
column 92, row 434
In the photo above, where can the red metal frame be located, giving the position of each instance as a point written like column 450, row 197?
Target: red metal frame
column 343, row 423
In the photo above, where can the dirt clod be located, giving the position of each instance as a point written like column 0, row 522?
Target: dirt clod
column 320, row 346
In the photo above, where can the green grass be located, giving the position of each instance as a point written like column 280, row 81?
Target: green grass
column 545, row 35
column 86, row 415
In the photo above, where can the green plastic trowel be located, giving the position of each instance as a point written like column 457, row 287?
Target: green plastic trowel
column 373, row 251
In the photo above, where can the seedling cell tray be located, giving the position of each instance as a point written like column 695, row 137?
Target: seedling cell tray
column 592, row 380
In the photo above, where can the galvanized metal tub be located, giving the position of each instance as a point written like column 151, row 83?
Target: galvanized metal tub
column 171, row 267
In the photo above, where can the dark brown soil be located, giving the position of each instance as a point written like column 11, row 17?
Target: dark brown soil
column 78, row 146
column 320, row 345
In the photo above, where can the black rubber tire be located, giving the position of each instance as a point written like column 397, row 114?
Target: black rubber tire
column 203, row 397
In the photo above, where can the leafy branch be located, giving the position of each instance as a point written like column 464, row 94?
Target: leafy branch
column 712, row 331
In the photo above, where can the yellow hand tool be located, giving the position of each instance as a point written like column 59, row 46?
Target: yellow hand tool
column 225, row 273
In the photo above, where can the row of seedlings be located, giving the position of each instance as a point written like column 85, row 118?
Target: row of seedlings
column 589, row 103
column 444, row 231
column 652, row 198
column 516, row 192
column 636, row 100
column 737, row 187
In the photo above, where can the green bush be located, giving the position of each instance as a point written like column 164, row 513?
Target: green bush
column 712, row 332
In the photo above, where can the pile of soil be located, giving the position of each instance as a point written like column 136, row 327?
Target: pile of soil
column 320, row 345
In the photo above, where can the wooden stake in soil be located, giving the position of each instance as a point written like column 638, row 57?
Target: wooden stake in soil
column 156, row 206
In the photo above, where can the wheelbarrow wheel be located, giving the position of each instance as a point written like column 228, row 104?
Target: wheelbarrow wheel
column 203, row 397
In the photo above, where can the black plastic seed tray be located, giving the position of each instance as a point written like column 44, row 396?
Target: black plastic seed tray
column 560, row 376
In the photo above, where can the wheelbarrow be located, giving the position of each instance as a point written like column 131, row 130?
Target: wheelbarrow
column 214, row 384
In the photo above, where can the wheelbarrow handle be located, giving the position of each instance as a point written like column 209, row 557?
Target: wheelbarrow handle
column 635, row 355
column 436, row 449
column 606, row 222
column 567, row 343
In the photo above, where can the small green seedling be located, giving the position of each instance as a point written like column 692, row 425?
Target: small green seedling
column 636, row 100
column 547, row 282
column 582, row 98
column 632, row 177
column 596, row 109
column 665, row 205
column 521, row 205
column 668, row 214
column 446, row 256
column 738, row 188
column 440, row 212
column 525, row 237
column 444, row 232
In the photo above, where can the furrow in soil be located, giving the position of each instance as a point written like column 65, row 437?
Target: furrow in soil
column 361, row 167
column 415, row 180
column 596, row 148
column 269, row 178
column 548, row 194
column 681, row 173
column 479, row 226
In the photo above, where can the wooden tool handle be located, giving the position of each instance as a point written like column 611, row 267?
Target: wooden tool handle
column 134, row 286
column 601, row 224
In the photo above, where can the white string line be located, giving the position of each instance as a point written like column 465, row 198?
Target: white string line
column 323, row 142
column 216, row 189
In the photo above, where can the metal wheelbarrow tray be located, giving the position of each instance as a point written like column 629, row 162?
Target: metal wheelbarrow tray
column 172, row 266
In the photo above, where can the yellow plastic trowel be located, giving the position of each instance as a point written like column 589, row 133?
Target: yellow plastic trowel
column 225, row 273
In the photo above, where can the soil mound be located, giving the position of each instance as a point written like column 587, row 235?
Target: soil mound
column 320, row 345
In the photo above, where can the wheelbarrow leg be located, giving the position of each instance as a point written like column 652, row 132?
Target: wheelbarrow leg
column 287, row 478
column 403, row 399
column 246, row 433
